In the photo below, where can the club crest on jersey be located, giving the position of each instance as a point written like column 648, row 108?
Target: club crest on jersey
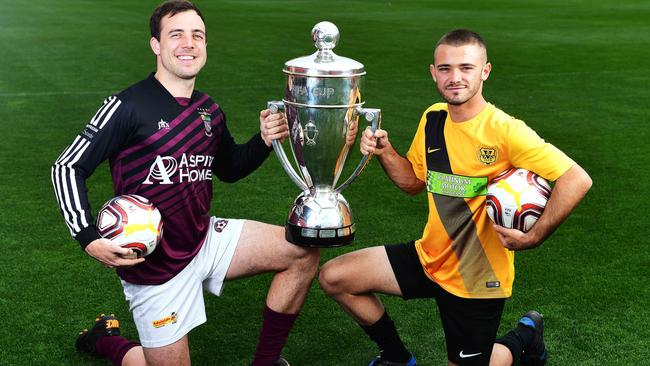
column 487, row 155
column 206, row 117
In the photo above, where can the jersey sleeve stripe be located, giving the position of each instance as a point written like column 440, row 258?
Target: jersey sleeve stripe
column 107, row 104
column 99, row 110
column 74, row 146
column 62, row 195
column 60, row 184
column 67, row 174
column 69, row 187
column 110, row 114
column 67, row 149
column 56, row 182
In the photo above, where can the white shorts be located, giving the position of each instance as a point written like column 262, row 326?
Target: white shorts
column 165, row 313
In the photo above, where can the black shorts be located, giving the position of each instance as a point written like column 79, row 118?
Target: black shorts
column 470, row 325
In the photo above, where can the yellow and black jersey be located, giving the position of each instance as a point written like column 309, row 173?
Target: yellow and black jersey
column 459, row 249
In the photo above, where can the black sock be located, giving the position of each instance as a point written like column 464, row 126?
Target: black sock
column 384, row 333
column 515, row 341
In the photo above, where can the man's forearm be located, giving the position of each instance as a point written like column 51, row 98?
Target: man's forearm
column 569, row 190
column 400, row 171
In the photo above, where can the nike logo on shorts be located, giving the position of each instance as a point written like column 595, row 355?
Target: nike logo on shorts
column 430, row 150
column 468, row 355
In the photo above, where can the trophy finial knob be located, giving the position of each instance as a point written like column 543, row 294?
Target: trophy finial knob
column 325, row 35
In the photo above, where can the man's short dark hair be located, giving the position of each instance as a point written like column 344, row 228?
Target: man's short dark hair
column 461, row 37
column 171, row 8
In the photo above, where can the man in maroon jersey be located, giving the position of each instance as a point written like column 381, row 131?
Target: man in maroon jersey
column 164, row 141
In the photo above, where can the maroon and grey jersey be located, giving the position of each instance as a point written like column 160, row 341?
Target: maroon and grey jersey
column 162, row 150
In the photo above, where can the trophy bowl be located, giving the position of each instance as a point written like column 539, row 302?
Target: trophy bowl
column 323, row 103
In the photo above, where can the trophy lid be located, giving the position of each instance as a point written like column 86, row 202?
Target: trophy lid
column 324, row 62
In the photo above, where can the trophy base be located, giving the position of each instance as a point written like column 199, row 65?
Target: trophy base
column 320, row 219
column 319, row 238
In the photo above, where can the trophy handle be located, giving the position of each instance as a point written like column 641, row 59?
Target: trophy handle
column 372, row 115
column 276, row 106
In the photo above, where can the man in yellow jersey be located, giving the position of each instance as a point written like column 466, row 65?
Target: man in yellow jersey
column 462, row 260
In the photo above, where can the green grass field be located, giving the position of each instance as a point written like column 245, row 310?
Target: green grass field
column 576, row 71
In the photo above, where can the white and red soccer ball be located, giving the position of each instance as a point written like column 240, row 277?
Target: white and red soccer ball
column 131, row 221
column 516, row 198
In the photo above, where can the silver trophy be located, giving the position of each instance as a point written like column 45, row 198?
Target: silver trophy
column 322, row 102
